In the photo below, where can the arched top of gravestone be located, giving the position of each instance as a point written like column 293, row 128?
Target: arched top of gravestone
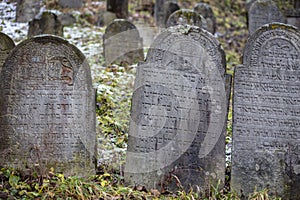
column 268, row 37
column 262, row 12
column 191, row 43
column 206, row 12
column 117, row 26
column 41, row 48
column 184, row 17
column 6, row 42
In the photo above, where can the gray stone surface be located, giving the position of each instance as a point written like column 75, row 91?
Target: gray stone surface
column 70, row 3
column 6, row 45
column 46, row 23
column 122, row 43
column 105, row 18
column 67, row 19
column 178, row 114
column 47, row 108
column 119, row 7
column 185, row 17
column 27, row 10
column 206, row 12
column 262, row 12
column 266, row 117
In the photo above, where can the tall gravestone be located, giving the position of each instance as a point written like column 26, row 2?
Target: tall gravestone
column 184, row 17
column 47, row 108
column 262, row 12
column 27, row 10
column 122, row 43
column 46, row 23
column 6, row 45
column 206, row 12
column 178, row 116
column 119, row 7
column 266, row 114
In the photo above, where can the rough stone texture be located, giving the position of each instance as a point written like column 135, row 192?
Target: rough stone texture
column 27, row 10
column 178, row 116
column 185, row 17
column 262, row 12
column 6, row 45
column 266, row 117
column 47, row 108
column 295, row 21
column 122, row 43
column 206, row 12
column 119, row 7
column 105, row 18
column 70, row 3
column 46, row 23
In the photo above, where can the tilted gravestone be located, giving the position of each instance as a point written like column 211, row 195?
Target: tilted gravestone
column 27, row 10
column 122, row 43
column 206, row 12
column 70, row 3
column 266, row 114
column 184, row 17
column 119, row 7
column 6, row 45
column 262, row 12
column 47, row 108
column 178, row 116
column 46, row 23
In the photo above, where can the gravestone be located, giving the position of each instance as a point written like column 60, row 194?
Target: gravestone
column 47, row 108
column 266, row 114
column 178, row 115
column 119, row 7
column 263, row 12
column 46, row 23
column 27, row 10
column 206, row 12
column 6, row 45
column 184, row 17
column 105, row 18
column 122, row 43
column 162, row 10
column 70, row 3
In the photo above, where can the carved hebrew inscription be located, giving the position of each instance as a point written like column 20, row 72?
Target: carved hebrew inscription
column 46, row 107
column 178, row 113
column 266, row 128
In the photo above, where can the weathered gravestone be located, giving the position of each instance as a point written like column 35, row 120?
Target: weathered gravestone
column 47, row 108
column 6, row 45
column 184, row 17
column 206, row 12
column 266, row 129
column 262, row 12
column 70, row 3
column 178, row 116
column 119, row 7
column 27, row 10
column 291, row 9
column 46, row 23
column 122, row 43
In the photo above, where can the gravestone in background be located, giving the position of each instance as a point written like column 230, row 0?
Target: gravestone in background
column 169, row 8
column 184, row 17
column 6, row 45
column 122, row 43
column 47, row 108
column 46, row 23
column 27, row 10
column 119, row 7
column 263, row 12
column 206, row 12
column 266, row 114
column 178, row 116
column 162, row 10
column 70, row 3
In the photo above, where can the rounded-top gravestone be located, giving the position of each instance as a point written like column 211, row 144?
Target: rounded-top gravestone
column 47, row 108
column 206, row 12
column 184, row 17
column 6, row 45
